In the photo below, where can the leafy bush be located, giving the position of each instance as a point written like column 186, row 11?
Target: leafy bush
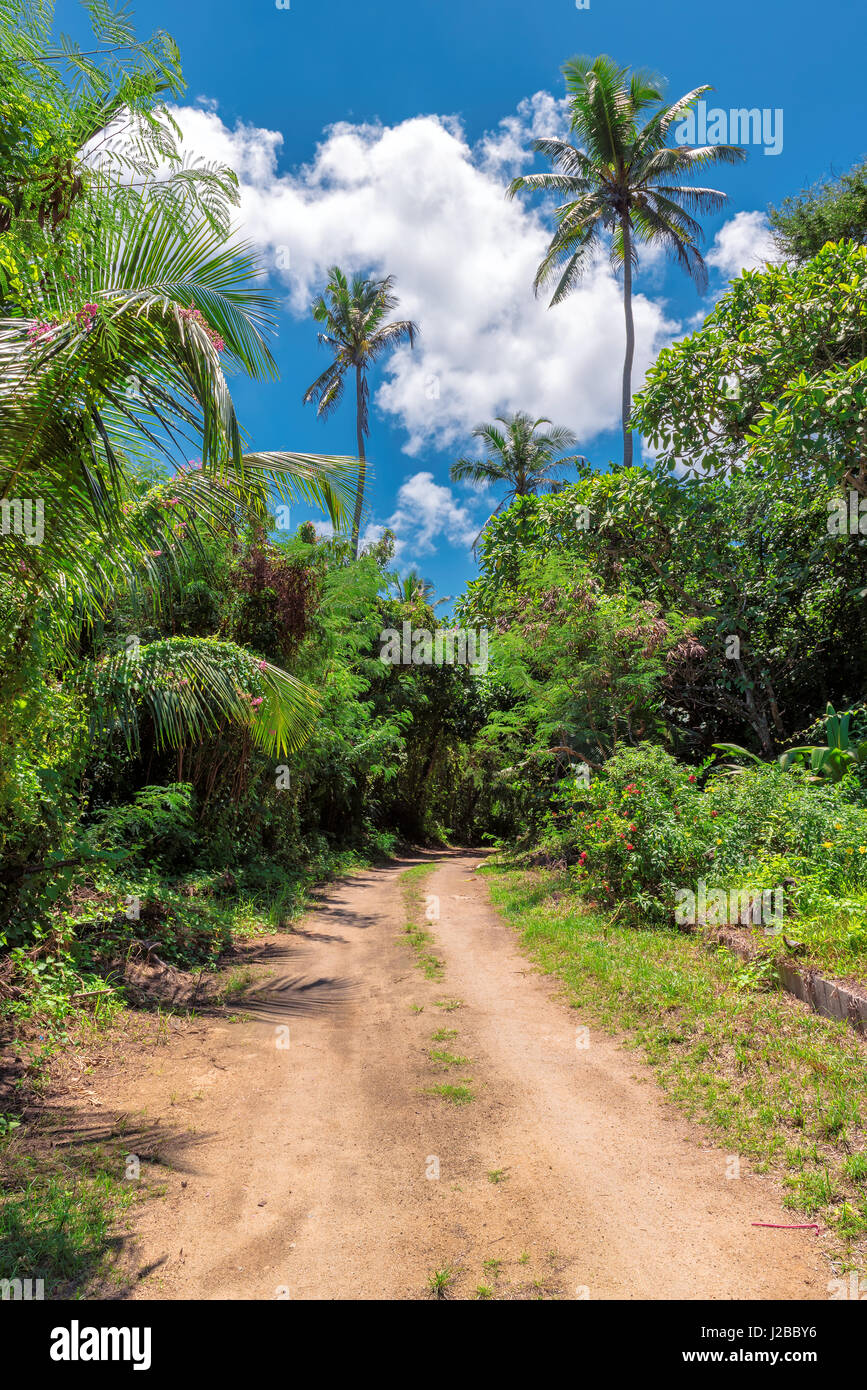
column 640, row 829
column 648, row 825
column 158, row 823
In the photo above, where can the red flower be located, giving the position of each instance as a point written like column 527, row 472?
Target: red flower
column 691, row 777
column 629, row 846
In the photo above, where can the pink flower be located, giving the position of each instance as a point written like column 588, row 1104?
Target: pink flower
column 263, row 666
column 195, row 316
column 257, row 701
column 40, row 330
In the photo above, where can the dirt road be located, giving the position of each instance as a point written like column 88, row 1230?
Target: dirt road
column 325, row 1169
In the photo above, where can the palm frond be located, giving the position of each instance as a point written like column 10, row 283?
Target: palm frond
column 191, row 688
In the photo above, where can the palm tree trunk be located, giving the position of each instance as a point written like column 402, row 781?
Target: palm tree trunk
column 362, row 462
column 626, row 401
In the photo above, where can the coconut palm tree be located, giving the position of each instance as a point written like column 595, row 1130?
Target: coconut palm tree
column 522, row 455
column 355, row 328
column 117, row 376
column 412, row 587
column 622, row 179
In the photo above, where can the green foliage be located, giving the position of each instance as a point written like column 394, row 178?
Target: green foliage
column 639, row 830
column 777, row 374
column 832, row 211
column 648, row 826
column 841, row 754
column 157, row 823
column 769, row 598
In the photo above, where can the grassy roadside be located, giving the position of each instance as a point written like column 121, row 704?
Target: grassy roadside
column 65, row 1184
column 776, row 1083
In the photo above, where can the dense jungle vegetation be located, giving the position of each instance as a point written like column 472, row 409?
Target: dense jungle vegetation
column 196, row 720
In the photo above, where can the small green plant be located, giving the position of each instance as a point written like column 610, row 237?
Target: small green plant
column 855, row 1167
column 498, row 1175
column 484, row 1291
column 421, row 942
column 444, row 1034
column 237, row 983
column 447, row 1059
column 759, row 973
column 440, row 1282
column 459, row 1094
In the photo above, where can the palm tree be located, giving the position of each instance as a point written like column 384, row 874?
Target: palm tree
column 163, row 312
column 412, row 587
column 355, row 329
column 625, row 181
column 522, row 455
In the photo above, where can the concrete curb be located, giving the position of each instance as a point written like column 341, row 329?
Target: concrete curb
column 824, row 997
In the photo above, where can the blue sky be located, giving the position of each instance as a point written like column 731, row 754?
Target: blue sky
column 381, row 135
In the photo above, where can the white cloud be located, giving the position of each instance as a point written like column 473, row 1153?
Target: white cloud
column 743, row 243
column 416, row 201
column 427, row 511
column 538, row 117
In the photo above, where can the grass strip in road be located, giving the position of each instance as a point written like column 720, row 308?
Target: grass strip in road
column 773, row 1081
column 420, row 939
column 415, row 902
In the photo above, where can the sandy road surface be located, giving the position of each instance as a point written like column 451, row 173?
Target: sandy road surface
column 309, row 1171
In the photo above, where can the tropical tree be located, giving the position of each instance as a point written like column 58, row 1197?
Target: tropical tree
column 835, row 210
column 122, row 298
column 623, row 181
column 522, row 455
column 777, row 372
column 356, row 328
column 412, row 587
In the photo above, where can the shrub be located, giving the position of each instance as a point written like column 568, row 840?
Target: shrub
column 648, row 825
column 640, row 829
column 158, row 823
